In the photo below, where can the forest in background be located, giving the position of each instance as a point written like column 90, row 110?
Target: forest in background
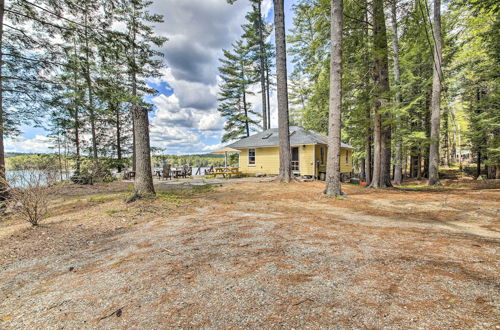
column 404, row 41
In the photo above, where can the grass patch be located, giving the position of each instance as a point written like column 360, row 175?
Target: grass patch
column 110, row 212
column 171, row 198
column 411, row 187
column 179, row 195
column 99, row 199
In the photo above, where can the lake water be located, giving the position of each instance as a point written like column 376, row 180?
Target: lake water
column 20, row 178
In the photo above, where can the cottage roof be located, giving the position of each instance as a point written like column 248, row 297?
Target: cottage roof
column 270, row 138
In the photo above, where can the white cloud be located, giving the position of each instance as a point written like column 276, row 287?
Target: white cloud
column 39, row 143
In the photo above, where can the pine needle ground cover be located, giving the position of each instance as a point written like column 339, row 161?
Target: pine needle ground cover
column 256, row 255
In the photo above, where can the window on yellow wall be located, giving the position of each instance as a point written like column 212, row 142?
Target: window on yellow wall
column 251, row 156
column 322, row 155
column 347, row 157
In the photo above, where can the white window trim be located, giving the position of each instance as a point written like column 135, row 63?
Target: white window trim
column 255, row 155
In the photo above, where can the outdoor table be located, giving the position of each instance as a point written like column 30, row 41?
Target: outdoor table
column 176, row 172
column 229, row 171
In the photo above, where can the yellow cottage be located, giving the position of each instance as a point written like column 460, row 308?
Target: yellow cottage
column 259, row 153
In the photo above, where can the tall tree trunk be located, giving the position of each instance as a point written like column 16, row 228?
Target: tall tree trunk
column 368, row 156
column 436, row 97
column 285, row 174
column 262, row 69
column 362, row 169
column 77, row 140
column 143, row 184
column 59, row 157
column 3, row 177
column 268, row 96
column 133, row 146
column 478, row 165
column 88, row 78
column 76, row 115
column 381, row 130
column 419, row 164
column 385, row 165
column 367, row 91
column 118, row 138
column 333, row 187
column 446, row 138
column 377, row 145
column 244, row 93
column 398, row 172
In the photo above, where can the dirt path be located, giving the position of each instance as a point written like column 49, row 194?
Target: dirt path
column 260, row 255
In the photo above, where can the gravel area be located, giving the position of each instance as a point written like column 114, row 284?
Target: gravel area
column 252, row 254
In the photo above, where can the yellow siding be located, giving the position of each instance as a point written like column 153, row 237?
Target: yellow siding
column 344, row 167
column 306, row 162
column 267, row 160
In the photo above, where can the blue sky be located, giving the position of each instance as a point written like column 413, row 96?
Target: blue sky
column 185, row 119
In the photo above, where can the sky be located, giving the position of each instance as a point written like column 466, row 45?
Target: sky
column 185, row 119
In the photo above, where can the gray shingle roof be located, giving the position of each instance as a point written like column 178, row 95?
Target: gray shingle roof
column 270, row 138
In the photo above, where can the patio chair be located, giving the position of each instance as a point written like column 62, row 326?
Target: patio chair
column 184, row 171
column 166, row 172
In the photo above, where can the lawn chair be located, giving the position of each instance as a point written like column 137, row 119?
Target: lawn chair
column 209, row 171
column 184, row 172
column 166, row 172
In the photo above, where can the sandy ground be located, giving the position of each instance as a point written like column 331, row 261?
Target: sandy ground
column 256, row 255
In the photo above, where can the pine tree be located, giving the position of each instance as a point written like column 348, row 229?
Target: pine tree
column 237, row 76
column 333, row 158
column 437, row 80
column 285, row 170
column 142, row 61
column 255, row 33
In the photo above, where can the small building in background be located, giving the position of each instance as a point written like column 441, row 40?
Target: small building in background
column 259, row 153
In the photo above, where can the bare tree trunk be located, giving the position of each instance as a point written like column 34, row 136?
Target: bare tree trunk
column 446, row 138
column 268, row 96
column 362, row 169
column 77, row 140
column 118, row 138
column 419, row 165
column 382, row 134
column 3, row 177
column 59, row 157
column 367, row 88
column 90, row 90
column 143, row 184
column 478, row 165
column 436, row 98
column 245, row 110
column 285, row 174
column 134, row 157
column 262, row 70
column 368, row 156
column 333, row 187
column 398, row 173
column 377, row 144
column 385, row 165
column 76, row 113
